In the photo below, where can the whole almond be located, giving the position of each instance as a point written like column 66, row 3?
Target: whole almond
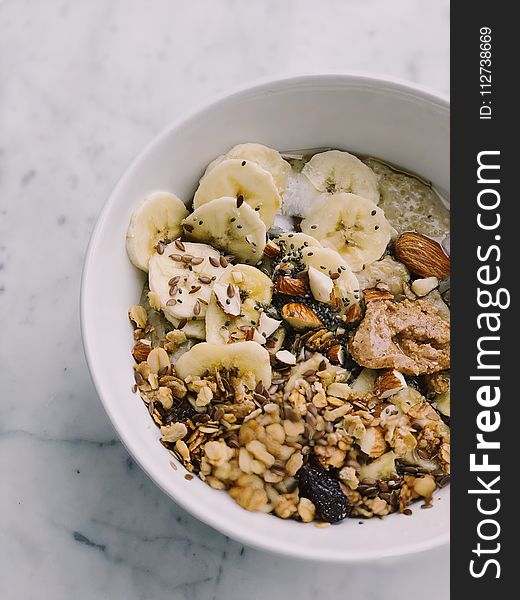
column 291, row 286
column 422, row 256
column 299, row 316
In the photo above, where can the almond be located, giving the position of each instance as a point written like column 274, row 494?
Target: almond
column 422, row 256
column 388, row 383
column 353, row 314
column 271, row 250
column 291, row 286
column 141, row 350
column 374, row 294
column 372, row 442
column 285, row 357
column 299, row 316
column 228, row 298
column 336, row 354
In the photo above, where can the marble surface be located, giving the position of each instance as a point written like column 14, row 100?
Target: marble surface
column 83, row 86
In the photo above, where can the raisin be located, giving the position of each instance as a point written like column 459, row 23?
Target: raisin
column 323, row 491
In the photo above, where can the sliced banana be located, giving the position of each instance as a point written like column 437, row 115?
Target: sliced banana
column 335, row 171
column 245, row 357
column 296, row 241
column 156, row 219
column 224, row 225
column 353, row 226
column 183, row 277
column 330, row 263
column 254, row 289
column 193, row 329
column 244, row 180
column 267, row 158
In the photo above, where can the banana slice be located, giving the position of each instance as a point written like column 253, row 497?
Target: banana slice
column 225, row 324
column 353, row 226
column 244, row 180
column 157, row 218
column 267, row 158
column 335, row 171
column 295, row 241
column 183, row 277
column 193, row 329
column 330, row 263
column 224, row 225
column 245, row 357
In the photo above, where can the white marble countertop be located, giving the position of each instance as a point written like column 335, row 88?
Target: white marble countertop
column 83, row 86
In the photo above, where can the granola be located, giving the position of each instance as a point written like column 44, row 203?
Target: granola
column 303, row 371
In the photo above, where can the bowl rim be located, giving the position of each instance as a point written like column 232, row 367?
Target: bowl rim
column 208, row 517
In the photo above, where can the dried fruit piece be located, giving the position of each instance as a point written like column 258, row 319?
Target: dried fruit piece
column 422, row 256
column 323, row 491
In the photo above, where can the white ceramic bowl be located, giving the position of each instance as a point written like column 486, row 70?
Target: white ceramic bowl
column 406, row 125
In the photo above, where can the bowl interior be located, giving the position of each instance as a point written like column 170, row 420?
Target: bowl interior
column 369, row 116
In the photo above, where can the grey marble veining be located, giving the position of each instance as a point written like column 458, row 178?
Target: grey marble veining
column 83, row 86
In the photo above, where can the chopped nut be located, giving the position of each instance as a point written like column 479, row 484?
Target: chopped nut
column 174, row 339
column 218, row 452
column 388, row 383
column 158, row 360
column 173, row 432
column 372, row 442
column 353, row 425
column 294, row 463
column 293, row 429
column 137, row 314
column 154, row 301
column 164, row 396
column 376, row 294
column 182, row 449
column 271, row 250
column 258, row 450
column 285, row 357
column 349, row 477
column 141, row 350
column 336, row 413
column 336, row 354
column 276, row 432
column 204, row 397
column 321, row 285
column 424, row 486
column 285, row 505
column 230, row 304
column 339, row 390
column 249, row 498
column 422, row 287
column 306, row 510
